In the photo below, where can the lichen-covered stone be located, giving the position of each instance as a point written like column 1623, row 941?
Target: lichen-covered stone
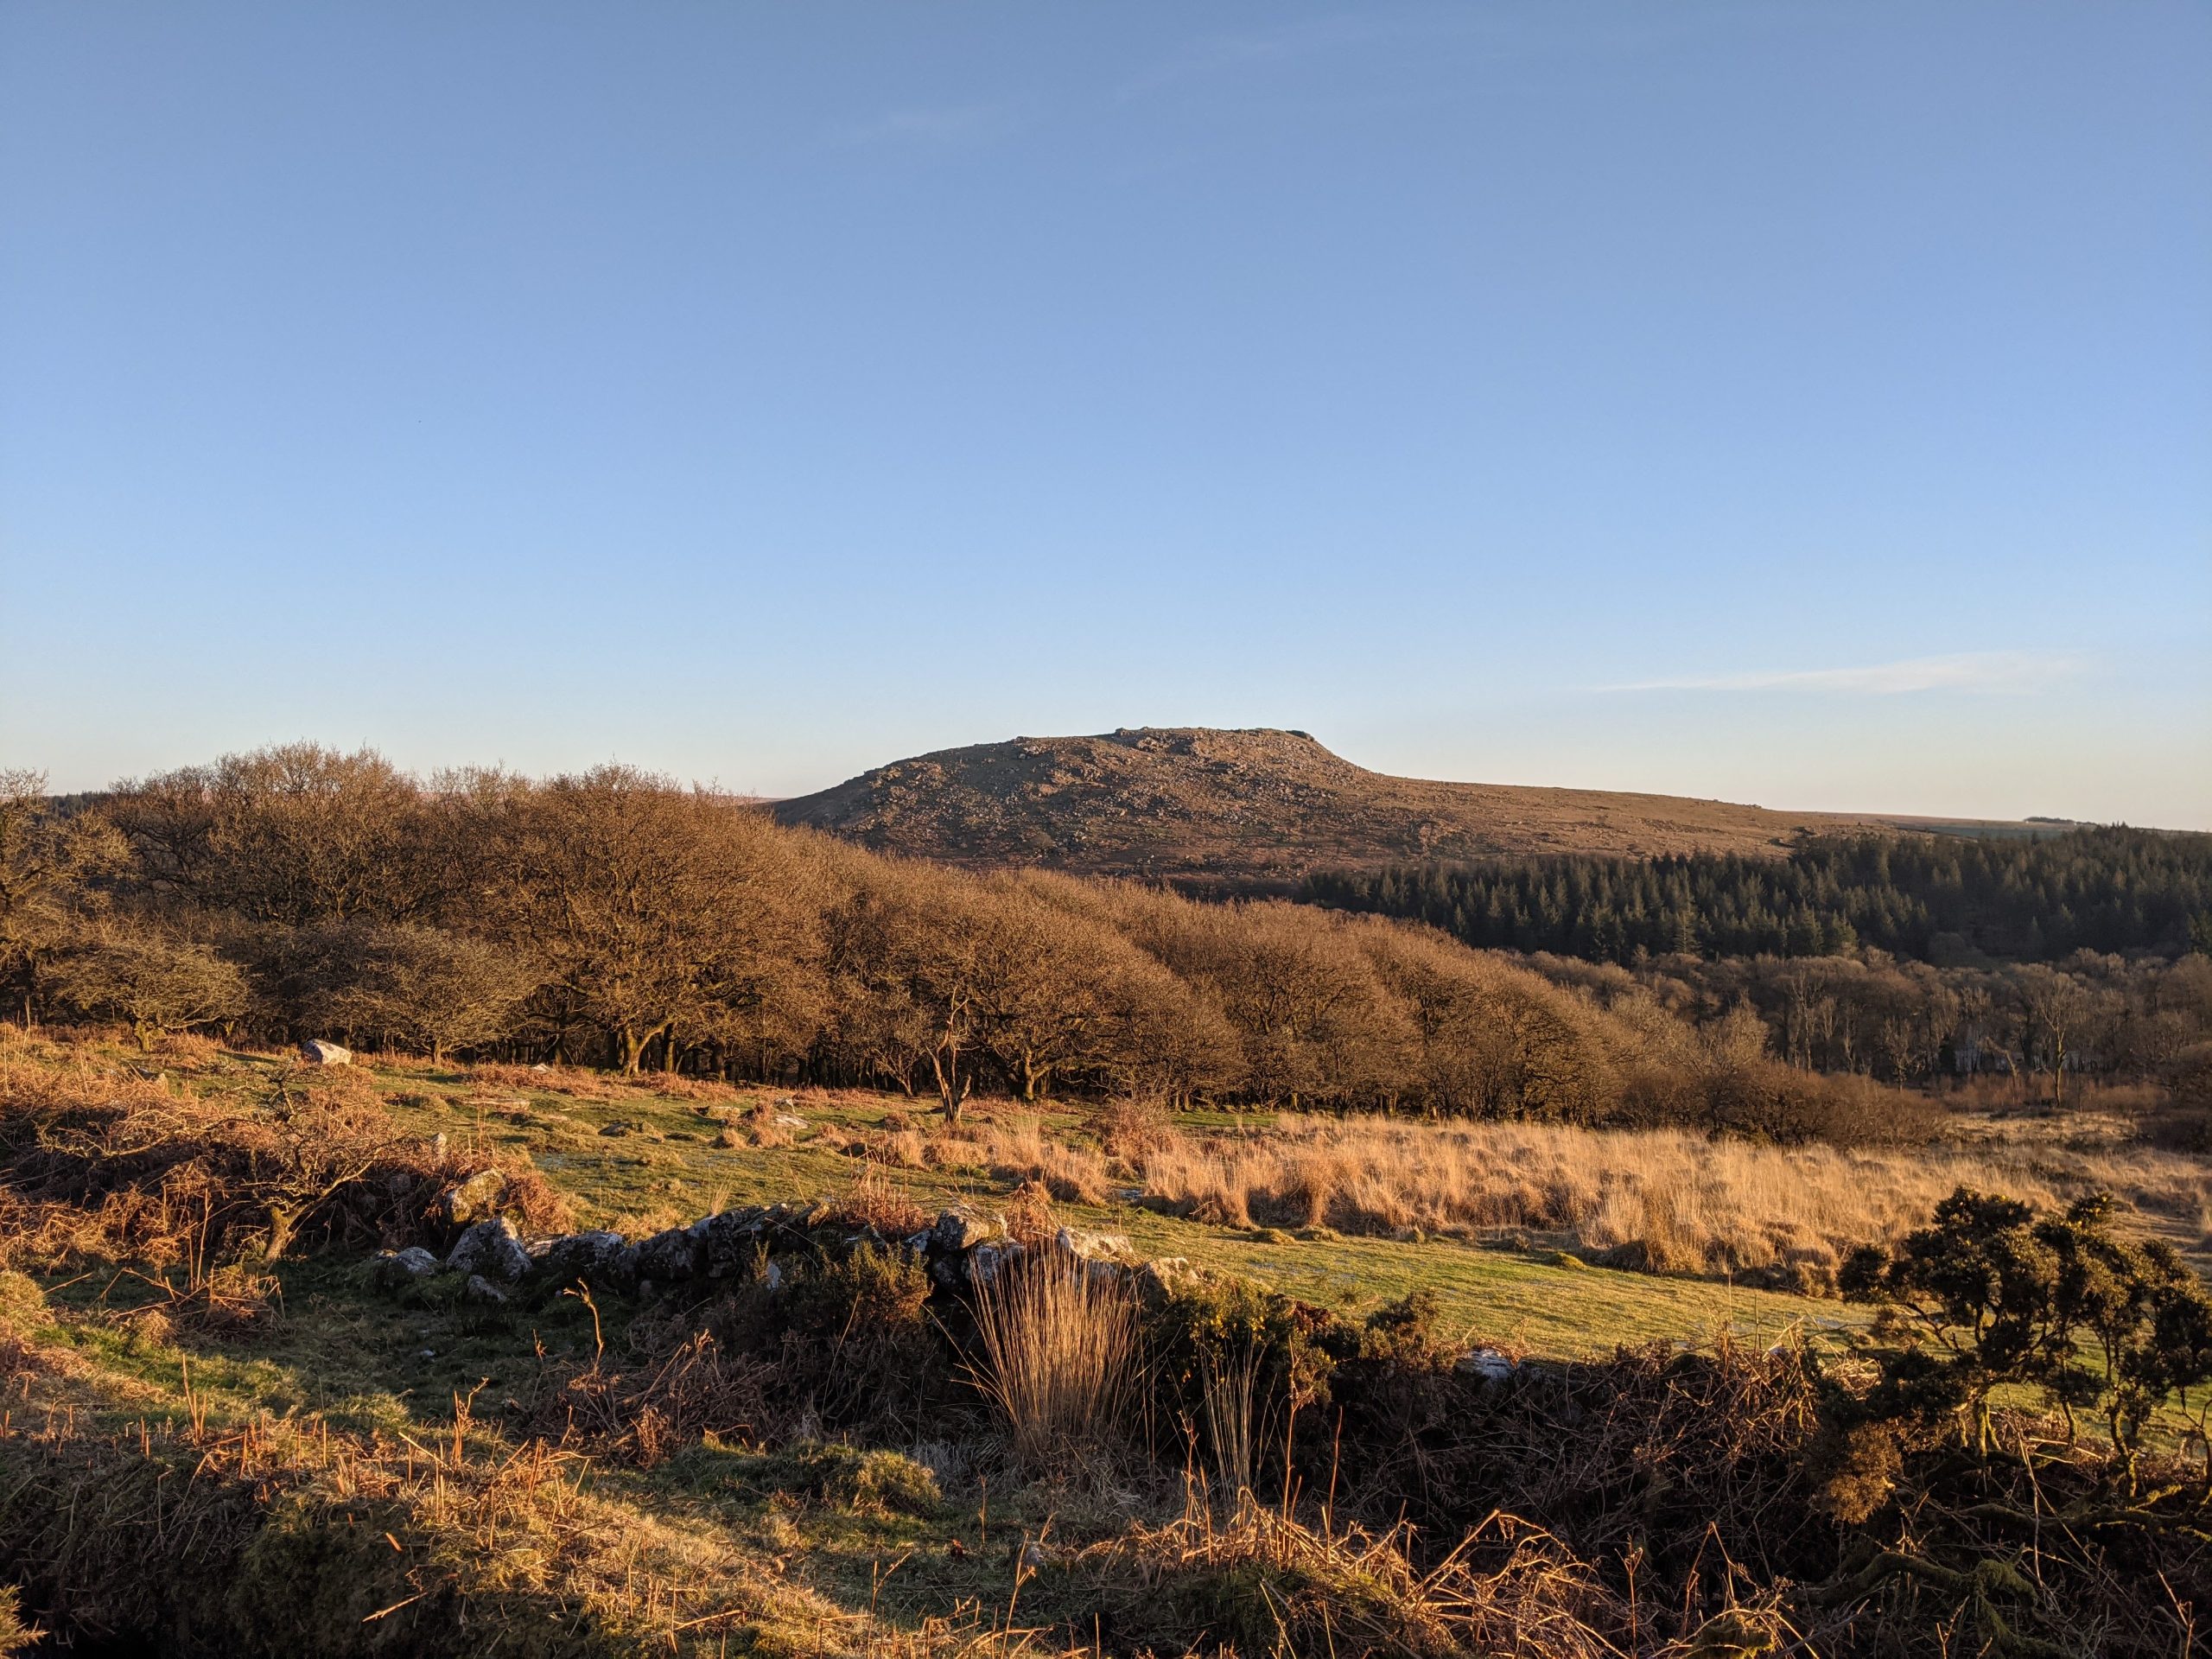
column 492, row 1247
column 1488, row 1363
column 670, row 1257
column 983, row 1264
column 473, row 1199
column 963, row 1227
column 731, row 1240
column 1095, row 1247
column 1163, row 1279
column 597, row 1258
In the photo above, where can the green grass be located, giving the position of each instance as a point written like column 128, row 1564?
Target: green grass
column 364, row 1359
column 1514, row 1299
column 857, row 1529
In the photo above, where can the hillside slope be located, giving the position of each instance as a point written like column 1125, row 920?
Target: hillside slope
column 1202, row 806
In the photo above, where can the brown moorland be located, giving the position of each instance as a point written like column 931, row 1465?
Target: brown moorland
column 1201, row 806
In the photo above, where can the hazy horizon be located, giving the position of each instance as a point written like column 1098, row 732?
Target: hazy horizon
column 430, row 774
column 1808, row 406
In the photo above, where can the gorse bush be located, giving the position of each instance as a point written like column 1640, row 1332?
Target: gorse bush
column 1989, row 1294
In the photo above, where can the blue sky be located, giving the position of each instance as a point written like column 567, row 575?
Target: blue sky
column 1806, row 404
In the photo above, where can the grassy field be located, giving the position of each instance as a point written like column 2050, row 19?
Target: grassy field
column 663, row 1166
column 145, row 1446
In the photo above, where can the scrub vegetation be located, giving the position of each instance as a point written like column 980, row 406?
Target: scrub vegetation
column 225, row 1436
column 906, row 1260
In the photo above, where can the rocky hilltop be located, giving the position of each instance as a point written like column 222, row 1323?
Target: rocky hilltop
column 1202, row 807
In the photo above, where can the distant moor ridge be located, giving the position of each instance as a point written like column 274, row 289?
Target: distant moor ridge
column 1196, row 804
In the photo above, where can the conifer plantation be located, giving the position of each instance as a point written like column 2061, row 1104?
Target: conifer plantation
column 1931, row 897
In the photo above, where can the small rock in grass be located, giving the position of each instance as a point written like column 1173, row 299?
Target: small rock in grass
column 316, row 1052
column 1488, row 1363
column 483, row 1291
column 393, row 1268
column 962, row 1228
column 473, row 1199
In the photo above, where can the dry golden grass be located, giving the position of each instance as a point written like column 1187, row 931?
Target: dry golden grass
column 1020, row 1148
column 1687, row 1203
column 1271, row 1582
column 1059, row 1354
column 105, row 1159
column 1668, row 1201
column 586, row 1082
column 308, row 1539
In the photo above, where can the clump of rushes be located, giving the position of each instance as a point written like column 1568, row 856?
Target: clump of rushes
column 1059, row 1347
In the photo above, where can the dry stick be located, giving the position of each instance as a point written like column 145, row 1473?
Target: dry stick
column 1336, row 1449
column 878, row 1576
column 1020, row 1570
column 394, row 1608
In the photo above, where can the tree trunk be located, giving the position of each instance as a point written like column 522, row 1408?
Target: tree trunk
column 951, row 1086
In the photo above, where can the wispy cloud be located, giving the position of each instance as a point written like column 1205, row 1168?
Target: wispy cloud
column 937, row 126
column 1328, row 34
column 1971, row 671
column 1469, row 33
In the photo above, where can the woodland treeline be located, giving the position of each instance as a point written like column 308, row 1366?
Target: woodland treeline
column 1950, row 899
column 615, row 919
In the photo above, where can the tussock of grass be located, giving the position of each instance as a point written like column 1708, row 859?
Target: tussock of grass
column 1264, row 1582
column 1059, row 1355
